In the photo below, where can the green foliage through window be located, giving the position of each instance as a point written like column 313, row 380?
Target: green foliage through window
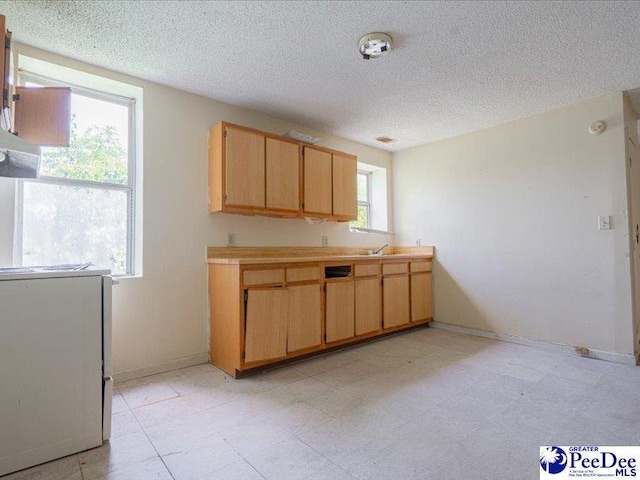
column 95, row 155
column 363, row 216
column 364, row 200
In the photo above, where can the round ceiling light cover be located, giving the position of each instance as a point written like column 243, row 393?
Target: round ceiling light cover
column 373, row 45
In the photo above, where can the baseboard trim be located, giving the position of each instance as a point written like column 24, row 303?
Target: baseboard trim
column 626, row 359
column 161, row 368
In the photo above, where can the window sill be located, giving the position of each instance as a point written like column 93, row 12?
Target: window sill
column 369, row 230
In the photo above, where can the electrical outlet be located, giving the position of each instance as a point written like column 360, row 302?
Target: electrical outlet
column 418, row 242
column 604, row 222
column 325, row 241
column 231, row 239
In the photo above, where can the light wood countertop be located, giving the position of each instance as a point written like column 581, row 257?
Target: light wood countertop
column 268, row 255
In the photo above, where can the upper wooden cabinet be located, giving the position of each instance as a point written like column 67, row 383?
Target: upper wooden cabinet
column 317, row 182
column 42, row 115
column 258, row 173
column 244, row 168
column 39, row 115
column 5, row 56
column 329, row 184
column 344, row 172
column 282, row 175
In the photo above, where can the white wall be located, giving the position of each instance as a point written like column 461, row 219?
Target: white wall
column 7, row 211
column 512, row 212
column 163, row 316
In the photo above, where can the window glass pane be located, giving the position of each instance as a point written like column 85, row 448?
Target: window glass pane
column 363, row 195
column 99, row 143
column 363, row 215
column 68, row 224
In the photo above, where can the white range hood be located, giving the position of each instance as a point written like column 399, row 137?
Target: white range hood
column 18, row 159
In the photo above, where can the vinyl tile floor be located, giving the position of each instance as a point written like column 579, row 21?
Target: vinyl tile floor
column 428, row 404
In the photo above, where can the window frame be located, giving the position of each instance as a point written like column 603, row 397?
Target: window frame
column 378, row 197
column 367, row 202
column 130, row 187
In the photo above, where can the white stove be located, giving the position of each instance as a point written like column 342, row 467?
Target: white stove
column 55, row 362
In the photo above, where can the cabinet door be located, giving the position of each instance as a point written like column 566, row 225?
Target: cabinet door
column 305, row 317
column 340, row 310
column 267, row 312
column 395, row 291
column 317, row 181
column 283, row 175
column 42, row 116
column 421, row 303
column 344, row 171
column 244, row 168
column 368, row 306
column 5, row 62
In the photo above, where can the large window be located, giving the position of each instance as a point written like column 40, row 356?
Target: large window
column 81, row 208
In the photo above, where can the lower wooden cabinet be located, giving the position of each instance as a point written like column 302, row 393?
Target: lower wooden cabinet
column 282, row 320
column 270, row 312
column 304, row 325
column 340, row 310
column 421, row 299
column 267, row 314
column 395, row 292
column 368, row 308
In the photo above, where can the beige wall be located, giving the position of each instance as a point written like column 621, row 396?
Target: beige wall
column 512, row 212
column 163, row 317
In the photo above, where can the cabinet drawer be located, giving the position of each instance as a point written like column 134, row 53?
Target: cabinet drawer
column 421, row 266
column 392, row 268
column 303, row 274
column 367, row 269
column 260, row 277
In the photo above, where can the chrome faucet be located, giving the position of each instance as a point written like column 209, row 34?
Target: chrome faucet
column 377, row 252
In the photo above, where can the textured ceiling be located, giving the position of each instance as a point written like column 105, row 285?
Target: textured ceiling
column 455, row 67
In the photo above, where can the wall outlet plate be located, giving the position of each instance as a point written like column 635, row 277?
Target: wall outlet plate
column 231, row 239
column 604, row 222
column 325, row 241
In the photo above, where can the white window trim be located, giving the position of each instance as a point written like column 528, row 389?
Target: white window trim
column 370, row 171
column 129, row 188
column 366, row 202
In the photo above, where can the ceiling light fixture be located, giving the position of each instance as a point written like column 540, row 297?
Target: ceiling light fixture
column 373, row 45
